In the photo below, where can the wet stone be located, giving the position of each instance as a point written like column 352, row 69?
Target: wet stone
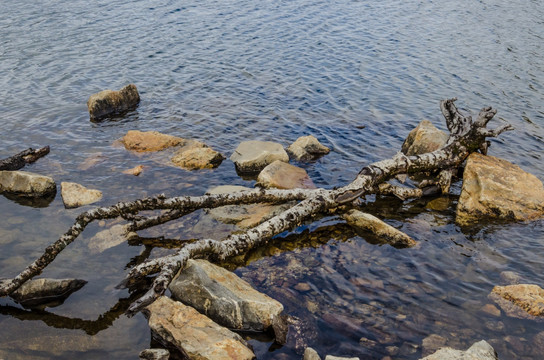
column 253, row 156
column 46, row 291
column 510, row 278
column 423, row 139
column 142, row 141
column 478, row 351
column 524, row 301
column 75, row 195
column 310, row 354
column 307, row 148
column 282, row 175
column 25, row 183
column 108, row 102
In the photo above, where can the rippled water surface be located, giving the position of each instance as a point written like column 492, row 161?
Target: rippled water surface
column 358, row 75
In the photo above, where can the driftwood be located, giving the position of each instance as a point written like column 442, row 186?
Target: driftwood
column 466, row 136
column 18, row 161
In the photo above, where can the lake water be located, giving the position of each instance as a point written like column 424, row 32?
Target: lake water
column 358, row 75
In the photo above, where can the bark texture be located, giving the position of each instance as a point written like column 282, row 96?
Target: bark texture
column 18, row 161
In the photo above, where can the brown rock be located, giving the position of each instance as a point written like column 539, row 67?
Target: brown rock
column 282, row 175
column 197, row 156
column 76, row 195
column 496, row 188
column 193, row 333
column 253, row 156
column 423, row 139
column 108, row 102
column 307, row 147
column 150, row 141
column 137, row 170
column 523, row 301
column 491, row 310
column 432, row 343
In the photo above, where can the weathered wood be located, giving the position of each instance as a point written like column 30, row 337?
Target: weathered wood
column 18, row 161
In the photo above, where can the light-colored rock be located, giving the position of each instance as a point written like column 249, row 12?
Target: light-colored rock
column 137, row 170
column 197, row 156
column 371, row 223
column 523, row 301
column 227, row 299
column 306, row 148
column 43, row 291
column 510, row 278
column 491, row 310
column 496, row 188
column 282, row 175
column 26, row 183
column 76, row 195
column 150, row 141
column 253, row 156
column 244, row 216
column 108, row 238
column 193, row 333
column 310, row 354
column 108, row 102
column 432, row 343
column 154, row 354
column 331, row 357
column 423, row 139
column 478, row 351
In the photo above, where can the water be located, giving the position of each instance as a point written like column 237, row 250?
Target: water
column 226, row 71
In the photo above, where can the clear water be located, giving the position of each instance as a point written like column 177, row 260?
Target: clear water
column 227, row 71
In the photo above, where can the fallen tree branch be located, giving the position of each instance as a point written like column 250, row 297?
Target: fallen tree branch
column 18, row 161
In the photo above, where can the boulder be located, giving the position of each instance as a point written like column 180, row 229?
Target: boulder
column 522, row 301
column 307, row 148
column 197, row 156
column 478, row 351
column 423, row 139
column 367, row 222
column 41, row 292
column 227, row 299
column 496, row 188
column 253, row 156
column 150, row 141
column 76, row 195
column 26, row 184
column 194, row 334
column 154, row 354
column 310, row 354
column 282, row 175
column 108, row 102
column 244, row 216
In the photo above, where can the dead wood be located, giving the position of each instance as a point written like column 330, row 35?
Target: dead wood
column 18, row 161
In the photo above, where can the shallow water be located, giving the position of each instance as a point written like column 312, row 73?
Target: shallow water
column 358, row 75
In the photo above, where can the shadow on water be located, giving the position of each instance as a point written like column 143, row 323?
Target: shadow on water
column 35, row 202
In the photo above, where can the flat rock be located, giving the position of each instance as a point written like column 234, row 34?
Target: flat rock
column 307, row 148
column 253, row 156
column 227, row 299
column 385, row 231
column 137, row 170
column 76, row 195
column 154, row 354
column 193, row 333
column 46, row 291
column 197, row 156
column 108, row 238
column 310, row 354
column 432, row 343
column 282, row 175
column 141, row 141
column 478, row 351
column 26, row 183
column 423, row 139
column 524, row 301
column 496, row 188
column 108, row 102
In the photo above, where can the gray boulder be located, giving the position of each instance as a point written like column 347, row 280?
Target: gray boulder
column 253, row 156
column 306, row 148
column 478, row 351
column 41, row 292
column 26, row 184
column 108, row 102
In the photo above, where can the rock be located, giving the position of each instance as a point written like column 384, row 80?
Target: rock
column 227, row 299
column 282, row 175
column 491, row 310
column 244, row 216
column 253, row 156
column 41, row 292
column 137, row 170
column 150, row 141
column 76, row 195
column 495, row 188
column 331, row 357
column 423, row 139
column 510, row 278
column 478, row 351
column 193, row 333
column 26, row 183
column 310, row 354
column 303, row 287
column 371, row 223
column 522, row 301
column 306, row 148
column 108, row 102
column 154, row 354
column 197, row 156
column 108, row 238
column 432, row 343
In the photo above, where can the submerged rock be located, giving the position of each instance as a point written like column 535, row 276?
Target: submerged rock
column 423, row 139
column 76, row 195
column 282, row 175
column 25, row 183
column 306, row 148
column 108, row 238
column 194, row 334
column 496, row 188
column 478, row 351
column 227, row 299
column 137, row 170
column 197, row 156
column 108, row 102
column 431, row 344
column 522, row 301
column 150, row 141
column 46, row 291
column 253, row 156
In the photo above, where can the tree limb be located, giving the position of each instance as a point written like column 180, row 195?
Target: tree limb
column 18, row 161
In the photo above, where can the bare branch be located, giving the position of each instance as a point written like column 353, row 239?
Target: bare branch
column 19, row 160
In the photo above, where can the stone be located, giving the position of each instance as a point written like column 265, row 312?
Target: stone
column 227, row 299
column 510, row 278
column 524, row 301
column 108, row 102
column 491, row 310
column 478, row 351
column 282, row 175
column 253, row 156
column 303, row 287
column 154, row 354
column 310, row 354
column 137, row 170
column 25, row 183
column 76, row 195
column 142, row 141
column 331, row 357
column 496, row 188
column 193, row 333
column 197, row 156
column 108, row 238
column 307, row 148
column 385, row 231
column 432, row 343
column 423, row 139
column 51, row 292
column 244, row 216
